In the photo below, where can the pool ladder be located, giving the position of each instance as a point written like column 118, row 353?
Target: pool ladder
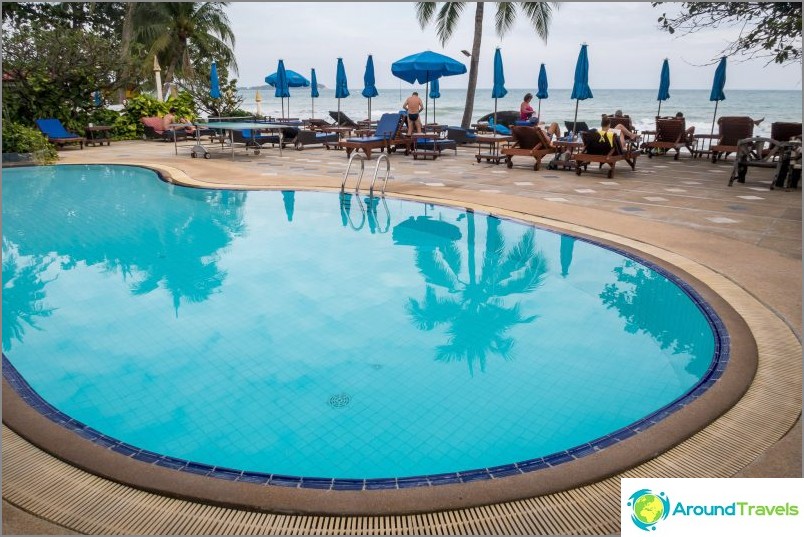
column 362, row 159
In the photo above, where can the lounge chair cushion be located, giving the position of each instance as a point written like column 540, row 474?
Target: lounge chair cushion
column 600, row 143
column 499, row 129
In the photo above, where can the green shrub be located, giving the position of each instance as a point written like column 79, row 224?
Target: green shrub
column 129, row 125
column 18, row 138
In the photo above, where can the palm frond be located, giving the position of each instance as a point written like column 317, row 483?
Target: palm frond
column 425, row 12
column 447, row 20
column 540, row 14
column 504, row 17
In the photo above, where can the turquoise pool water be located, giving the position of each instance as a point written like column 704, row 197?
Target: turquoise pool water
column 312, row 334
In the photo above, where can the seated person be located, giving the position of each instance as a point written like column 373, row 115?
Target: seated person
column 171, row 119
column 553, row 132
column 618, row 128
column 690, row 130
column 526, row 110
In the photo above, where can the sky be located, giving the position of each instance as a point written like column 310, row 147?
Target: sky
column 625, row 45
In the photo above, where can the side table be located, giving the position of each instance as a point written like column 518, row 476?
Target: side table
column 97, row 134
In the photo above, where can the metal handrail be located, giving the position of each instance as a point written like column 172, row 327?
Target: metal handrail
column 383, row 156
column 349, row 167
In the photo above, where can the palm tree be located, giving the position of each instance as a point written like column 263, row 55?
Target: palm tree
column 179, row 33
column 539, row 14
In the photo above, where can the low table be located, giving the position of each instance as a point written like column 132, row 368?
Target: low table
column 493, row 141
column 424, row 145
column 97, row 134
column 699, row 144
column 341, row 131
column 563, row 147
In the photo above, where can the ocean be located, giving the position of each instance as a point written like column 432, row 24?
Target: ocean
column 641, row 105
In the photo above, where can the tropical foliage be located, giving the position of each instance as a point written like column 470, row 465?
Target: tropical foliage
column 769, row 30
column 446, row 20
column 19, row 138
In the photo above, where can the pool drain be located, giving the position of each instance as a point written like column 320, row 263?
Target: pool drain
column 339, row 400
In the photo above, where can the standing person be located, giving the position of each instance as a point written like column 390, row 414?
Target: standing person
column 413, row 106
column 526, row 110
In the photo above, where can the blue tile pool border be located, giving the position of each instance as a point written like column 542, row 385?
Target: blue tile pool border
column 713, row 374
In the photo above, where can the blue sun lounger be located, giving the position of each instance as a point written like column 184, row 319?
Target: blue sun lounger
column 57, row 134
column 384, row 136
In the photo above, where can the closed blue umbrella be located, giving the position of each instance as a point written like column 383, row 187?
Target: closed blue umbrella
column 580, row 87
column 424, row 67
column 718, row 83
column 214, row 83
column 369, row 89
column 435, row 93
column 313, row 90
column 97, row 97
column 542, row 89
column 341, row 86
column 281, row 84
column 664, row 85
column 498, row 91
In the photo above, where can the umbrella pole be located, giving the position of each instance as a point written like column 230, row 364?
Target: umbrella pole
column 713, row 122
column 339, row 111
column 369, row 113
column 426, row 99
column 495, row 115
column 659, row 113
column 312, row 104
column 575, row 120
column 434, row 119
column 539, row 111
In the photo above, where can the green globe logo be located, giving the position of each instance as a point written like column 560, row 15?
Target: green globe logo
column 648, row 508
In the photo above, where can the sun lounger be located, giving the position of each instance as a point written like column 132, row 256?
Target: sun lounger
column 342, row 119
column 56, row 134
column 731, row 129
column 386, row 135
column 528, row 142
column 155, row 130
column 460, row 135
column 581, row 126
column 670, row 134
column 600, row 151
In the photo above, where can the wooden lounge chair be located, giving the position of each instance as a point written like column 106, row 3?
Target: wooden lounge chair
column 528, row 142
column 342, row 119
column 731, row 129
column 671, row 133
column 155, row 130
column 385, row 136
column 601, row 152
column 56, row 134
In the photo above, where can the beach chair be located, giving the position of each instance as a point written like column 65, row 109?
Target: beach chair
column 155, row 130
column 670, row 134
column 386, row 135
column 528, row 142
column 460, row 135
column 602, row 150
column 343, row 120
column 581, row 125
column 313, row 137
column 731, row 129
column 56, row 133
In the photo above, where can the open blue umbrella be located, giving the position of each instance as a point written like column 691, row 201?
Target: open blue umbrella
column 718, row 83
column 664, row 85
column 341, row 86
column 369, row 89
column 498, row 91
column 542, row 90
column 424, row 67
column 435, row 93
column 580, row 86
column 292, row 79
column 313, row 90
column 214, row 83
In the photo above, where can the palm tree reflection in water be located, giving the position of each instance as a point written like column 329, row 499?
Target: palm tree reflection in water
column 23, row 293
column 475, row 311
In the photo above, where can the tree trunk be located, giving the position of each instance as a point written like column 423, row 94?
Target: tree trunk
column 472, row 86
column 125, row 50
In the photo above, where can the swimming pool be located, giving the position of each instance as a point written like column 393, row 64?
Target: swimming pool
column 307, row 334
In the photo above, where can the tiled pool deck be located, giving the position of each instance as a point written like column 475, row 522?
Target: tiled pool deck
column 748, row 238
